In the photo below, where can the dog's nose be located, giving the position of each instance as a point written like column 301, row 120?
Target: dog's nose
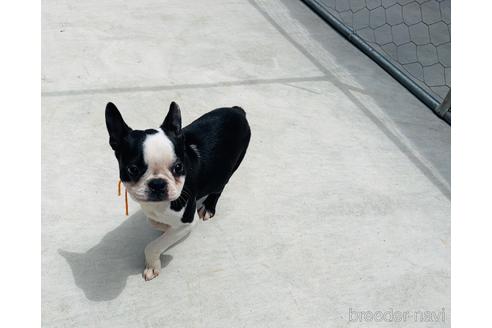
column 157, row 185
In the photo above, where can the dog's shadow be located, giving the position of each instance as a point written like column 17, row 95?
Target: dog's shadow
column 102, row 271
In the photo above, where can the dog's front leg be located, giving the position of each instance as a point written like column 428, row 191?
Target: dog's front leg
column 156, row 247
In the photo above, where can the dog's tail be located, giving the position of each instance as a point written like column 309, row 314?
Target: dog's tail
column 239, row 109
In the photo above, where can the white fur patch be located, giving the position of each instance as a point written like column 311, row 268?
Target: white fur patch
column 158, row 152
column 161, row 212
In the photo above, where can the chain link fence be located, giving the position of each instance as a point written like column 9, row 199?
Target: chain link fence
column 414, row 35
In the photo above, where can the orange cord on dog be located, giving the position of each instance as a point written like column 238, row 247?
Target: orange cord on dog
column 126, row 197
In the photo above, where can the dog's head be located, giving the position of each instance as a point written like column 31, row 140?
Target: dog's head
column 151, row 161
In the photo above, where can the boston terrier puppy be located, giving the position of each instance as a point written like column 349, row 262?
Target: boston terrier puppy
column 175, row 172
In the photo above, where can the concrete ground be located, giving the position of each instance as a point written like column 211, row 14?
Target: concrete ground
column 342, row 202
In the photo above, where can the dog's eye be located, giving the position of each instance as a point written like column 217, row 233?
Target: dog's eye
column 178, row 169
column 132, row 170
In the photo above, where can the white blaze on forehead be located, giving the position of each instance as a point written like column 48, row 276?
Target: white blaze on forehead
column 158, row 152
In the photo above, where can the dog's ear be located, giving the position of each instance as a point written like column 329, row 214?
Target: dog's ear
column 172, row 122
column 117, row 127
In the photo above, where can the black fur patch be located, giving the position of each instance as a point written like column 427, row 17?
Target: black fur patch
column 130, row 153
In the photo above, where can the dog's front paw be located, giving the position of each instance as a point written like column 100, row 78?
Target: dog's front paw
column 205, row 214
column 152, row 270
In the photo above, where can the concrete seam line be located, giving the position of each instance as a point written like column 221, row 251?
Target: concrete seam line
column 181, row 86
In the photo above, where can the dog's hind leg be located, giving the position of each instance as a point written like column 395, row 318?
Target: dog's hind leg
column 207, row 210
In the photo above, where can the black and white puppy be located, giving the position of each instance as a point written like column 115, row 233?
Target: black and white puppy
column 169, row 170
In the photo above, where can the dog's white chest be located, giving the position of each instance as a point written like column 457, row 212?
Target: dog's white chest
column 162, row 212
